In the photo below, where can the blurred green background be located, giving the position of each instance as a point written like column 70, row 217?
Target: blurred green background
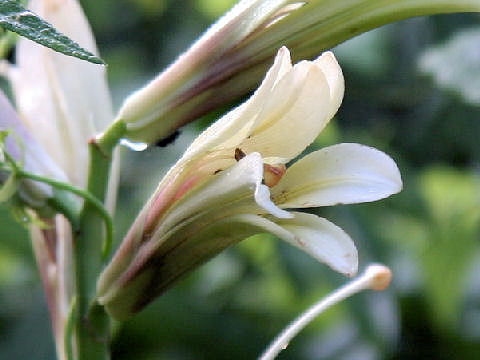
column 413, row 91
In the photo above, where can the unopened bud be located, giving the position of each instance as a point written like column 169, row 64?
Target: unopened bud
column 231, row 57
column 24, row 149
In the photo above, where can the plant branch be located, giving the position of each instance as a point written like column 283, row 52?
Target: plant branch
column 92, row 323
column 63, row 205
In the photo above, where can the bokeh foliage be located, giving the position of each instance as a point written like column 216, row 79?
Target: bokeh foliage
column 398, row 99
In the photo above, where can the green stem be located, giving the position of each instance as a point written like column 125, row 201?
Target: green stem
column 62, row 204
column 67, row 336
column 92, row 322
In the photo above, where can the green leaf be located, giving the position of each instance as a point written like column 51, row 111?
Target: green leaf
column 452, row 200
column 14, row 17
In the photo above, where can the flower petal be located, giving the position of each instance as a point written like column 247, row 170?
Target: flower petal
column 236, row 125
column 295, row 112
column 236, row 190
column 262, row 198
column 322, row 240
column 343, row 173
column 333, row 73
column 284, row 116
column 63, row 100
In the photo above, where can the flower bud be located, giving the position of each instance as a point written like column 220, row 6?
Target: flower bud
column 63, row 100
column 231, row 57
column 24, row 148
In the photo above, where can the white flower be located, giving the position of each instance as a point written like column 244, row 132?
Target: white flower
column 214, row 196
column 63, row 101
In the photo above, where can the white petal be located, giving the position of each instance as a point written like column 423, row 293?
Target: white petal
column 296, row 111
column 285, row 114
column 318, row 237
column 333, row 73
column 238, row 189
column 236, row 125
column 262, row 198
column 322, row 240
column 63, row 100
column 343, row 173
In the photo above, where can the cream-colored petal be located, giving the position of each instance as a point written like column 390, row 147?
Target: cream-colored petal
column 238, row 189
column 262, row 198
column 236, row 125
column 293, row 116
column 342, row 173
column 63, row 100
column 333, row 73
column 322, row 240
column 83, row 82
column 285, row 93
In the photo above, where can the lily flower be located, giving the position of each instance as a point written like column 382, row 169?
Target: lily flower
column 232, row 56
column 63, row 102
column 233, row 182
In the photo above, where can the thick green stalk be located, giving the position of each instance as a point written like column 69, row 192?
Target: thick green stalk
column 92, row 327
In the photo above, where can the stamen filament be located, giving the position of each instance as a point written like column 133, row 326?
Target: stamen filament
column 375, row 277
